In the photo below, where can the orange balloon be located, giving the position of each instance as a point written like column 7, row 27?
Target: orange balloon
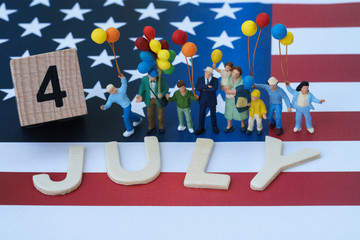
column 189, row 49
column 112, row 34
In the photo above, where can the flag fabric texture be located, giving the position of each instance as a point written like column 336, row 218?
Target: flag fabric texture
column 317, row 200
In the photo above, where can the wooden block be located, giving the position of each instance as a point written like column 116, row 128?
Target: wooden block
column 44, row 184
column 196, row 177
column 48, row 87
column 275, row 163
column 121, row 176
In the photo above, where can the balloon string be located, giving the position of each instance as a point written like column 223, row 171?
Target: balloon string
column 159, row 81
column 248, row 42
column 281, row 65
column 192, row 76
column 257, row 41
column 191, row 83
column 113, row 50
column 286, row 64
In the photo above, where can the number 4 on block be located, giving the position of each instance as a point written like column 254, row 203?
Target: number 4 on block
column 48, row 87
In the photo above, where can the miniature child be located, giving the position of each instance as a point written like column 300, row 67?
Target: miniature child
column 225, row 74
column 301, row 102
column 182, row 98
column 118, row 95
column 257, row 111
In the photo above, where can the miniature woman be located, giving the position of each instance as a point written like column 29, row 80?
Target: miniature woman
column 231, row 112
column 302, row 103
column 182, row 98
column 257, row 111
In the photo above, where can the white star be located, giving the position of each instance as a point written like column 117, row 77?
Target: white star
column 43, row 2
column 118, row 2
column 220, row 107
column 138, row 107
column 96, row 91
column 25, row 54
column 223, row 40
column 110, row 23
column 225, row 11
column 75, row 12
column 180, row 58
column 183, row 2
column 34, row 27
column 186, row 25
column 3, row 40
column 10, row 93
column 69, row 41
column 103, row 58
column 134, row 39
column 150, row 11
column 135, row 75
column 4, row 13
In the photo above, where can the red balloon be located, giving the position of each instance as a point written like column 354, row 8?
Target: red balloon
column 179, row 37
column 164, row 44
column 142, row 44
column 149, row 32
column 262, row 19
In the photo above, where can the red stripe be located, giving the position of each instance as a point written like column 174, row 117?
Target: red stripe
column 318, row 68
column 288, row 189
column 329, row 126
column 316, row 15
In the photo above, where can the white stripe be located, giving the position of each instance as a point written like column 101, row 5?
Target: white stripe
column 116, row 222
column 312, row 41
column 175, row 157
column 339, row 96
column 273, row 1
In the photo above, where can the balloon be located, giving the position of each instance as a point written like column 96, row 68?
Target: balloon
column 164, row 44
column 262, row 19
column 153, row 72
column 112, row 34
column 172, row 55
column 98, row 35
column 149, row 32
column 179, row 37
column 144, row 67
column 155, row 45
column 248, row 82
column 163, row 54
column 216, row 56
column 189, row 49
column 163, row 65
column 142, row 44
column 249, row 28
column 147, row 57
column 278, row 31
column 170, row 70
column 288, row 40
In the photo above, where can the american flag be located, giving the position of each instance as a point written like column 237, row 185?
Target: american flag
column 317, row 200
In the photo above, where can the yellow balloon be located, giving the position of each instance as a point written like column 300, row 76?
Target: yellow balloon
column 155, row 45
column 288, row 39
column 98, row 35
column 249, row 28
column 163, row 65
column 163, row 54
column 216, row 56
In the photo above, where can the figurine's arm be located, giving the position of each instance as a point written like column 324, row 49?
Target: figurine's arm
column 200, row 85
column 214, row 86
column 290, row 90
column 216, row 69
column 108, row 104
column 286, row 99
column 123, row 87
column 261, row 86
column 193, row 97
column 171, row 99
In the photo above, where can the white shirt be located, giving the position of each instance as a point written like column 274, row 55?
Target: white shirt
column 152, row 86
column 302, row 100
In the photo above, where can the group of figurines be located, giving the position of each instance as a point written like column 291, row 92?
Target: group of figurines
column 241, row 102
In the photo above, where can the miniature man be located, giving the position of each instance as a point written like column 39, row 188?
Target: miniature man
column 276, row 95
column 207, row 85
column 118, row 95
column 148, row 96
column 257, row 111
column 182, row 98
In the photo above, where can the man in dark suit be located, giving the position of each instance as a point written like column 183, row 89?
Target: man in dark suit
column 207, row 85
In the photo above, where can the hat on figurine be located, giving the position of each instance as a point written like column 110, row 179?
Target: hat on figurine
column 272, row 81
column 109, row 87
column 255, row 93
column 208, row 69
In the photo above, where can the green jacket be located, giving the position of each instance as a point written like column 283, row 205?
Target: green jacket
column 182, row 101
column 144, row 90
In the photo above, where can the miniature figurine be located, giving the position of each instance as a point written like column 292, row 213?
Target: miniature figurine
column 207, row 85
column 231, row 111
column 182, row 98
column 276, row 95
column 146, row 95
column 257, row 111
column 225, row 74
column 118, row 95
column 301, row 102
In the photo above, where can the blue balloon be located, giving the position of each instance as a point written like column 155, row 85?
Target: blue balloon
column 248, row 82
column 147, row 56
column 144, row 67
column 153, row 73
column 278, row 31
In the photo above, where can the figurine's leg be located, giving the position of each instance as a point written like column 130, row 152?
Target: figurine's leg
column 160, row 116
column 298, row 118
column 188, row 118
column 129, row 127
column 271, row 114
column 308, row 118
column 213, row 116
column 134, row 117
column 258, row 122
column 151, row 114
column 251, row 123
column 278, row 109
column 180, row 113
column 202, row 116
